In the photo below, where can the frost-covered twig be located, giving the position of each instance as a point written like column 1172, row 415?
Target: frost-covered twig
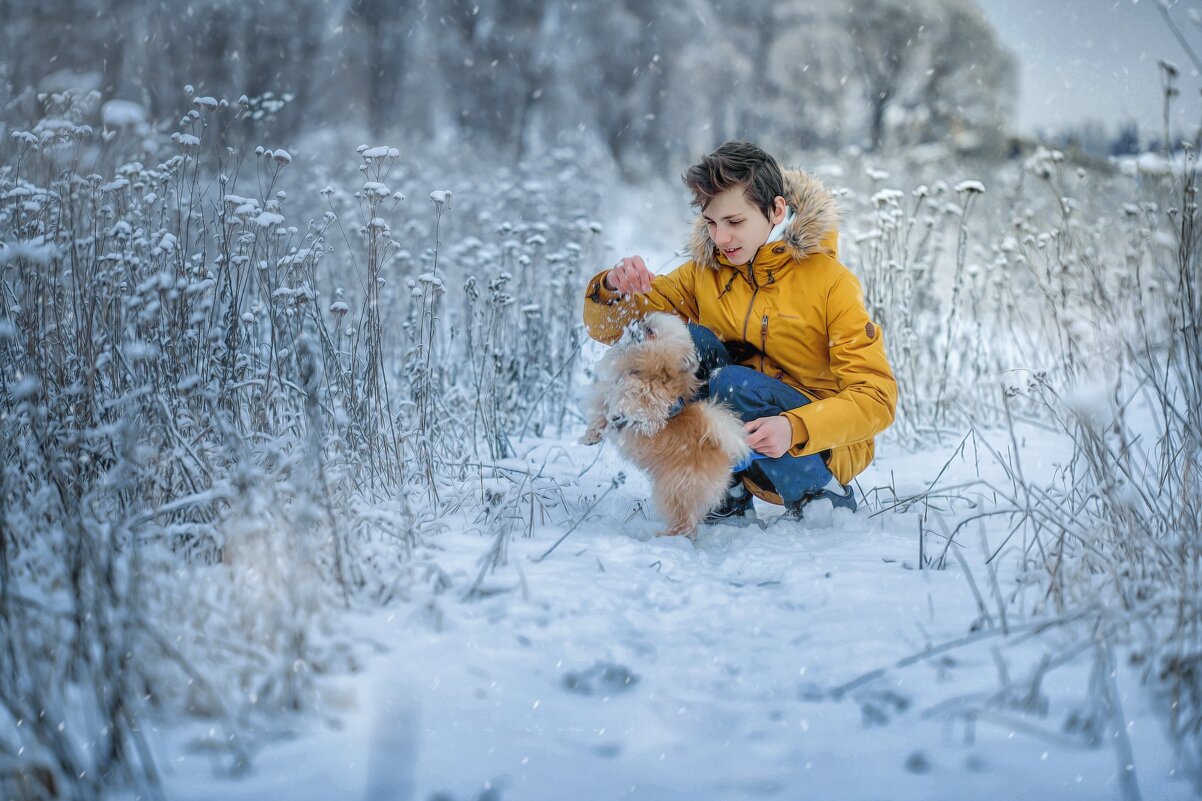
column 618, row 480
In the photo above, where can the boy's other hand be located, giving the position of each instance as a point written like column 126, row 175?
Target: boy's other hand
column 630, row 277
column 771, row 436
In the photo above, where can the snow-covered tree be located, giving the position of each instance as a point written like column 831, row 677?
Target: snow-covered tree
column 886, row 40
column 645, row 82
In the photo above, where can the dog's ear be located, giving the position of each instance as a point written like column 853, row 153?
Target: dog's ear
column 690, row 361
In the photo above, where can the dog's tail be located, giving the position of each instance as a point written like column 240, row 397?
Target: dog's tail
column 725, row 430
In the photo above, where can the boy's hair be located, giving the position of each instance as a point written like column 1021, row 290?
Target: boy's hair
column 736, row 164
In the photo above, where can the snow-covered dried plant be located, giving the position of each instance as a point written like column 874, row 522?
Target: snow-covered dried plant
column 1114, row 540
column 170, row 442
column 197, row 440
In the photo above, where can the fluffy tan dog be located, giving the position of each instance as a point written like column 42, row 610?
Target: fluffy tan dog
column 688, row 455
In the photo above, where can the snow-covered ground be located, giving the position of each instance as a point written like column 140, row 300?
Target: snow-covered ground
column 629, row 666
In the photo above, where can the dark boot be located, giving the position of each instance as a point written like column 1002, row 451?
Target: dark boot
column 840, row 500
column 733, row 509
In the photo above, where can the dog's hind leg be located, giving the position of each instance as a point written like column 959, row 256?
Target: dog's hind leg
column 677, row 500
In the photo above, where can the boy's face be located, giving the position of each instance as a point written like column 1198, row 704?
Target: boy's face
column 737, row 226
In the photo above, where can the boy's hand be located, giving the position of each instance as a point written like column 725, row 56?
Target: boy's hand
column 630, row 277
column 771, row 436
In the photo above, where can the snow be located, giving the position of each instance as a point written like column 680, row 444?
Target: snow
column 122, row 113
column 380, row 152
column 114, row 185
column 36, row 250
column 54, row 126
column 268, row 218
column 188, row 383
column 885, row 197
column 1155, row 164
column 70, row 80
column 26, row 389
column 376, row 190
column 629, row 666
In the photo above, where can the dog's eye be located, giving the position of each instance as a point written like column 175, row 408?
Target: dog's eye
column 635, row 373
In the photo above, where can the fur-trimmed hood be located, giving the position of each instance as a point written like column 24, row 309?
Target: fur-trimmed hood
column 815, row 218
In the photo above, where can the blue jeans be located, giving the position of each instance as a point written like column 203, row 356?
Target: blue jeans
column 752, row 395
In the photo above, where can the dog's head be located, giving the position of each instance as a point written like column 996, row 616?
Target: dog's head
column 650, row 369
column 660, row 330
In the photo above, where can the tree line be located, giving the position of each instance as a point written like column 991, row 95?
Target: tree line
column 644, row 81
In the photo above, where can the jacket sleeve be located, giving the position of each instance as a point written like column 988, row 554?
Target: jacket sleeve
column 606, row 313
column 866, row 399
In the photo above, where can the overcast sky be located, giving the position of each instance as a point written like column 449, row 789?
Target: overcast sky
column 1096, row 59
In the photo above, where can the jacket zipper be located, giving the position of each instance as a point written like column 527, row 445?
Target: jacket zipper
column 763, row 341
column 755, row 290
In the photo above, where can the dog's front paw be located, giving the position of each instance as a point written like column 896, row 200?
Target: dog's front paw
column 592, row 435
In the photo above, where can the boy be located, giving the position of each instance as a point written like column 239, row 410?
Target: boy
column 779, row 325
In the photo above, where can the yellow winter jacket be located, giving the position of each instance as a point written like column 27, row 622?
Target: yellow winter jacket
column 803, row 313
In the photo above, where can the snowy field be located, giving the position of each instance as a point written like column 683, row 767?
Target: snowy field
column 289, row 441
column 799, row 660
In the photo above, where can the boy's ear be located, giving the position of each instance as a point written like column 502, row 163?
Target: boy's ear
column 779, row 209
